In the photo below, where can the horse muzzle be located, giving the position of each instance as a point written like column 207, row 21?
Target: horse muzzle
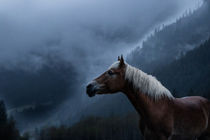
column 92, row 88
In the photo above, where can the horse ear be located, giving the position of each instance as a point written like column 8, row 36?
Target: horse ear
column 118, row 58
column 121, row 61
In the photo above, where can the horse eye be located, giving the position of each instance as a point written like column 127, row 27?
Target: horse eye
column 110, row 72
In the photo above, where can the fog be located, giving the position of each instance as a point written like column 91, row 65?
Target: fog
column 77, row 30
column 88, row 34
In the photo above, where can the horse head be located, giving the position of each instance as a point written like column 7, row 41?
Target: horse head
column 111, row 81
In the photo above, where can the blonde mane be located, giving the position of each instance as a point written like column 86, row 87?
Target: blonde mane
column 147, row 84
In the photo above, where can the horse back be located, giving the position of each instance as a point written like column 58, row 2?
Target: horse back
column 191, row 115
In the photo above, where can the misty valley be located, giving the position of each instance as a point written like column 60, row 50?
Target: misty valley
column 51, row 53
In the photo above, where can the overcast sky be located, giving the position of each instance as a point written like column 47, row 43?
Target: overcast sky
column 82, row 31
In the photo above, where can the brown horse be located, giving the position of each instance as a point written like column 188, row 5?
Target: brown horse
column 162, row 116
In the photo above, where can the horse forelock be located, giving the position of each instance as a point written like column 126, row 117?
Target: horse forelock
column 147, row 84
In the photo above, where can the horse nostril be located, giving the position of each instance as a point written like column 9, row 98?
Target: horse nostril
column 90, row 90
column 89, row 86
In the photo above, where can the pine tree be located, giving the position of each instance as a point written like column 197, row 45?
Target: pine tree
column 3, row 114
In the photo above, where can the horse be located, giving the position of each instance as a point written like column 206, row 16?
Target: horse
column 162, row 116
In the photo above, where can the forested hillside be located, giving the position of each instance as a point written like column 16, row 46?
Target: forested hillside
column 174, row 40
column 95, row 128
column 189, row 75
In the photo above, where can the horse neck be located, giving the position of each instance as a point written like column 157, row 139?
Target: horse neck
column 145, row 106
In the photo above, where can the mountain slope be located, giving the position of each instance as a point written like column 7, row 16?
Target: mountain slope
column 173, row 40
column 51, row 82
column 190, row 74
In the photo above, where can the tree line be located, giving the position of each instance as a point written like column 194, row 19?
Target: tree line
column 8, row 131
